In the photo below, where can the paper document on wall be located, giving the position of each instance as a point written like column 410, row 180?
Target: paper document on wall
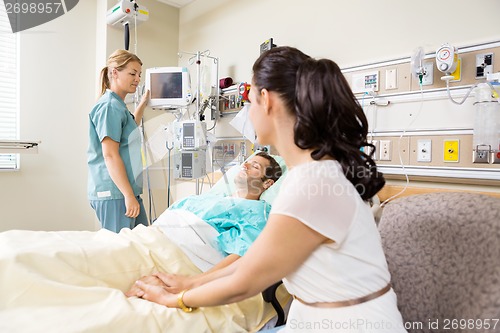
column 242, row 123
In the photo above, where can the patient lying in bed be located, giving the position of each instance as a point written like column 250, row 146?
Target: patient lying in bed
column 215, row 229
column 74, row 281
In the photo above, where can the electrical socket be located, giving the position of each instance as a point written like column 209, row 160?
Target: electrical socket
column 428, row 78
column 484, row 65
column 264, row 148
column 385, row 150
column 480, row 155
column 424, row 151
column 368, row 150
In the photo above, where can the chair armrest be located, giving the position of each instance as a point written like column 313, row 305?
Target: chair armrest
column 269, row 295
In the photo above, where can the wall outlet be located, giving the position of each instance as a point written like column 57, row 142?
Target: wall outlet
column 385, row 150
column 428, row 78
column 391, row 79
column 480, row 155
column 451, row 149
column 424, row 151
column 484, row 65
column 264, row 148
column 368, row 150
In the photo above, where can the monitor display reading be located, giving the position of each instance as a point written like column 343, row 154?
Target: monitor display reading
column 188, row 130
column 187, row 160
column 166, row 85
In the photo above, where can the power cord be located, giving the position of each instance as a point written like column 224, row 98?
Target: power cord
column 399, row 150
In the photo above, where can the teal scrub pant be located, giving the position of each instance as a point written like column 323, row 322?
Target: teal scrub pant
column 111, row 214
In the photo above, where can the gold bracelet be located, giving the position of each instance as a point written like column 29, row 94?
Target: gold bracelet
column 181, row 304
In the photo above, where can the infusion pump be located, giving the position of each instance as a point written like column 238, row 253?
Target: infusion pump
column 190, row 164
column 190, row 143
column 190, row 135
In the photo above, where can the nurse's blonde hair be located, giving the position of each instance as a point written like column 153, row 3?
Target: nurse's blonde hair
column 119, row 60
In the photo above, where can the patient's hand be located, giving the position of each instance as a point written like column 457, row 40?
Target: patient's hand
column 157, row 294
column 150, row 280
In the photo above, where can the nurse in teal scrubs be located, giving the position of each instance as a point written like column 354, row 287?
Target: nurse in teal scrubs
column 114, row 153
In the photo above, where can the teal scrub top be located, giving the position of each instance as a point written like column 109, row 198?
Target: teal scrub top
column 238, row 221
column 111, row 118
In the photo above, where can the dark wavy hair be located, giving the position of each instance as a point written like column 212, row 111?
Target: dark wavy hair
column 329, row 119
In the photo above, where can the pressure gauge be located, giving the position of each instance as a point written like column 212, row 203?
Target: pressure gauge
column 447, row 58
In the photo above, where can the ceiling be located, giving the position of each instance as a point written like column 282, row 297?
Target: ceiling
column 176, row 3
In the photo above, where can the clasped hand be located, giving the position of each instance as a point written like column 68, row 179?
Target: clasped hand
column 160, row 288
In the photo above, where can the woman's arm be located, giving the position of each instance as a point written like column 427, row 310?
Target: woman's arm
column 174, row 283
column 282, row 247
column 117, row 172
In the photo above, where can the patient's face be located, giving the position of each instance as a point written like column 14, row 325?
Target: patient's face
column 252, row 174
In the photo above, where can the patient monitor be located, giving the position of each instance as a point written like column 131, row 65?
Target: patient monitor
column 170, row 87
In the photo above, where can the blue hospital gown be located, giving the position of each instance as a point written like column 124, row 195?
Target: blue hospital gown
column 238, row 221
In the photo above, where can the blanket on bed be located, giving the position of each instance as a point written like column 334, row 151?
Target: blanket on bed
column 73, row 281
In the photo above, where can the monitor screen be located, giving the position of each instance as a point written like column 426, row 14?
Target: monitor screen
column 187, row 160
column 170, row 87
column 188, row 130
column 166, row 85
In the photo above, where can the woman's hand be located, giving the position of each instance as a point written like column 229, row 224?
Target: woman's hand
column 145, row 98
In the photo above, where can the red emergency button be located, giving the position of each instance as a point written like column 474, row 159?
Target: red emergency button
column 127, row 10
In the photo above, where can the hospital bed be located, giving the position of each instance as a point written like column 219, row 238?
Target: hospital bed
column 73, row 281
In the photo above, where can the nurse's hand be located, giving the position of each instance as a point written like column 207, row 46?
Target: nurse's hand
column 132, row 207
column 145, row 97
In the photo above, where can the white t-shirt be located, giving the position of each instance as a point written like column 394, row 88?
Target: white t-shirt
column 319, row 195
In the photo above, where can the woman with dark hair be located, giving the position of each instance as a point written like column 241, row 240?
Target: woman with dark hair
column 320, row 238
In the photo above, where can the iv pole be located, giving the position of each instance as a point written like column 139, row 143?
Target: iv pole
column 199, row 117
column 136, row 103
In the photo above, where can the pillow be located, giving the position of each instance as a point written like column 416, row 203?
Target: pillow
column 226, row 183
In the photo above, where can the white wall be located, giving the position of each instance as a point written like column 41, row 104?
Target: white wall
column 57, row 62
column 353, row 32
column 60, row 61
column 59, row 65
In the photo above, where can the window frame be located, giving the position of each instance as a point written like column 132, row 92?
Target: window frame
column 9, row 105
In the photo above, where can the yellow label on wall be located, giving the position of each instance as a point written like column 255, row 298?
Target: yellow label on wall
column 451, row 150
column 457, row 74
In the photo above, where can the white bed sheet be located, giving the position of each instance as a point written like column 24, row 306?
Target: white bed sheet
column 196, row 238
column 73, row 281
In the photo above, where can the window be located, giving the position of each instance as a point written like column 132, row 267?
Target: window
column 9, row 110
